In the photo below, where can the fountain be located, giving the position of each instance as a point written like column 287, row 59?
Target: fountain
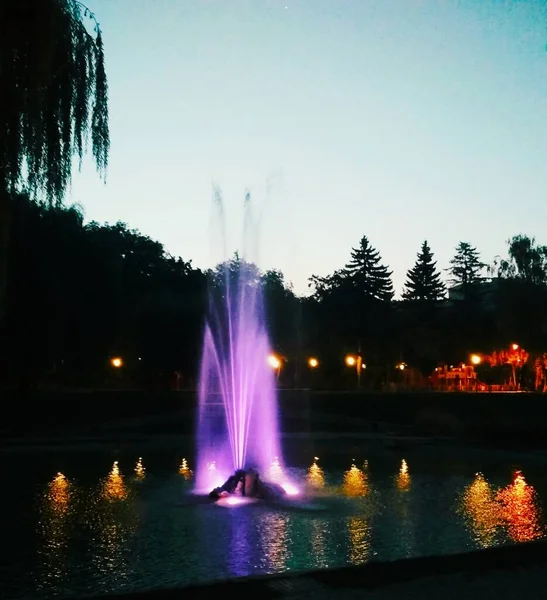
column 237, row 429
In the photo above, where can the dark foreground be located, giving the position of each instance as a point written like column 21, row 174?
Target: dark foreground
column 502, row 419
column 515, row 572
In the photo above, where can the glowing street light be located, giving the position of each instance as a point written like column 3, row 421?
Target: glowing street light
column 313, row 363
column 514, row 346
column 357, row 362
column 475, row 359
column 351, row 361
column 116, row 362
column 274, row 361
column 401, row 366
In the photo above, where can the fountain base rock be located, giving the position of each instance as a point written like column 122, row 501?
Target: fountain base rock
column 247, row 483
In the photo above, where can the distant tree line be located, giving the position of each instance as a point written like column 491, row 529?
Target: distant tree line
column 79, row 294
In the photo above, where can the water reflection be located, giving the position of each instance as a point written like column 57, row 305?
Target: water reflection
column 140, row 471
column 274, row 539
column 316, row 477
column 403, row 478
column 355, row 482
column 319, row 536
column 359, row 535
column 185, row 470
column 518, row 504
column 481, row 511
column 112, row 519
column 514, row 507
column 55, row 508
column 114, row 487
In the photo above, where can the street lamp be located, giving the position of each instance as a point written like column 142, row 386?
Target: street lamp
column 313, row 363
column 357, row 362
column 401, row 366
column 475, row 359
column 116, row 362
column 350, row 360
column 275, row 363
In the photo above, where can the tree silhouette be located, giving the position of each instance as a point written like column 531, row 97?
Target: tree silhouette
column 54, row 97
column 423, row 282
column 527, row 261
column 367, row 274
column 466, row 266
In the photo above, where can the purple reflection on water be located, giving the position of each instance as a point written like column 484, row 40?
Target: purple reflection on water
column 237, row 420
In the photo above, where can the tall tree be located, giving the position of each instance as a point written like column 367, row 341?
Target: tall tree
column 54, row 98
column 527, row 260
column 367, row 274
column 423, row 281
column 466, row 266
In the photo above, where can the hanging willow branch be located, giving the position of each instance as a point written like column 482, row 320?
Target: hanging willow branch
column 53, row 94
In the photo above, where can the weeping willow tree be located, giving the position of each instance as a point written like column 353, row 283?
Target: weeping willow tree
column 53, row 102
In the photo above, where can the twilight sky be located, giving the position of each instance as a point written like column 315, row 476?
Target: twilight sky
column 402, row 120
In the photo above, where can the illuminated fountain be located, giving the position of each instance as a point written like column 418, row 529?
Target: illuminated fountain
column 237, row 428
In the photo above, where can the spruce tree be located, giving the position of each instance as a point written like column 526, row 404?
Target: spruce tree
column 367, row 274
column 423, row 281
column 466, row 265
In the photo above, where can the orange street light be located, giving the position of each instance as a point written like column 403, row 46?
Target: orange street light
column 401, row 366
column 351, row 361
column 514, row 346
column 274, row 361
column 475, row 359
column 313, row 363
column 116, row 362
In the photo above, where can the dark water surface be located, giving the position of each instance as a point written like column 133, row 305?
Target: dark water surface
column 93, row 529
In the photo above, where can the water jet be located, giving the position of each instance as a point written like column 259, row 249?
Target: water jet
column 237, row 428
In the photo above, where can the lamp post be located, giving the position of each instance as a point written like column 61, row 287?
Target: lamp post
column 116, row 362
column 313, row 363
column 275, row 363
column 356, row 360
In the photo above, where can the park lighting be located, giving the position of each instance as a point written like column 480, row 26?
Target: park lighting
column 274, row 362
column 313, row 363
column 475, row 359
column 116, row 362
column 401, row 366
column 351, row 361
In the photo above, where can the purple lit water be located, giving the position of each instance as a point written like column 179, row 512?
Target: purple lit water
column 237, row 417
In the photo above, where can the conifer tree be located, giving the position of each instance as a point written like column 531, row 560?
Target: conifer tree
column 367, row 274
column 466, row 265
column 423, row 281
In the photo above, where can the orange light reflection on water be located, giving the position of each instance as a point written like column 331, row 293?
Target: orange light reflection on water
column 140, row 471
column 114, row 487
column 481, row 511
column 355, row 482
column 185, row 470
column 513, row 508
column 316, row 477
column 359, row 535
column 518, row 503
column 55, row 510
column 403, row 478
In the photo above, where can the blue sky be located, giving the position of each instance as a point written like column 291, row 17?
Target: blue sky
column 402, row 120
